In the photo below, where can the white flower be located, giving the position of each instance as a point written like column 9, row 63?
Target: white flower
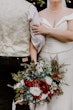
column 41, row 63
column 54, row 84
column 43, row 96
column 52, row 91
column 35, row 91
column 31, row 105
column 39, row 68
column 55, row 88
column 19, row 101
column 48, row 80
column 18, row 85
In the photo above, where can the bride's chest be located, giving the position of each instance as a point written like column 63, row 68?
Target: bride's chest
column 55, row 19
column 61, row 24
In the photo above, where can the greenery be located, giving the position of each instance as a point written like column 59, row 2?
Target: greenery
column 38, row 2
column 39, row 82
column 42, row 2
column 68, row 1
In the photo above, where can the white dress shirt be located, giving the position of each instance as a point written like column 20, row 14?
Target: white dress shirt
column 12, row 28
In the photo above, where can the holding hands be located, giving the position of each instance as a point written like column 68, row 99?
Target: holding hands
column 39, row 29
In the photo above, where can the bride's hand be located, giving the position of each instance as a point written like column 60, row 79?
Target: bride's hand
column 39, row 29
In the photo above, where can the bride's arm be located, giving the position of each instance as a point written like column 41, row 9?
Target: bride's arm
column 59, row 34
column 63, row 35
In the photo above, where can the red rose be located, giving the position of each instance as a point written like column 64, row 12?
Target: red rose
column 56, row 75
column 55, row 91
column 36, row 82
column 28, row 83
column 50, row 94
column 37, row 97
column 44, row 87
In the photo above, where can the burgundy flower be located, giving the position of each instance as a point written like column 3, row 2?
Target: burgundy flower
column 50, row 95
column 55, row 91
column 37, row 97
column 56, row 75
column 44, row 87
column 28, row 83
column 36, row 82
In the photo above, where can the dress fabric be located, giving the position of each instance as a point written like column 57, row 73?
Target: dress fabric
column 64, row 51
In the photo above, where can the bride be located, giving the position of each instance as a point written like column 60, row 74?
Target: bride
column 57, row 28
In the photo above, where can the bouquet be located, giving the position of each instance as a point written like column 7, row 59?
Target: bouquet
column 39, row 82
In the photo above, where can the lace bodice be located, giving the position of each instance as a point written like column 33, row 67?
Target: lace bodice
column 53, row 45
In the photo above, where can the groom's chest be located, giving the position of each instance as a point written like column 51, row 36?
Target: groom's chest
column 11, row 11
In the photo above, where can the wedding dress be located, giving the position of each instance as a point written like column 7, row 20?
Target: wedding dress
column 64, row 51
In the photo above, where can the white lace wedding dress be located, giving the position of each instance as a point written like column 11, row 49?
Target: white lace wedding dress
column 64, row 51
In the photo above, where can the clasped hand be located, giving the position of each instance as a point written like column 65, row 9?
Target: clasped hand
column 39, row 29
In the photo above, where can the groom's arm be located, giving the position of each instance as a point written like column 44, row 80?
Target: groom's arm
column 33, row 52
column 38, row 41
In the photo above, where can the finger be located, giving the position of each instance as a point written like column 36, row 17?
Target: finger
column 35, row 25
column 34, row 31
column 37, row 34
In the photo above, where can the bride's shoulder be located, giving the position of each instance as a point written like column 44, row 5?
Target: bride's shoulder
column 43, row 12
column 68, row 10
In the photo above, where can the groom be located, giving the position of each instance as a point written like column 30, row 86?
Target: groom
column 16, row 19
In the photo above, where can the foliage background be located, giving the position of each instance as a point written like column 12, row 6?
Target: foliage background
column 41, row 4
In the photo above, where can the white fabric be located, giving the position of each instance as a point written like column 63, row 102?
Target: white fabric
column 63, row 2
column 37, row 40
column 38, row 106
column 13, row 106
column 15, row 16
column 65, row 55
column 62, row 24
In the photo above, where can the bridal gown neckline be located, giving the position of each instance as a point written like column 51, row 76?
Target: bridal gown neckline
column 66, row 17
column 52, row 45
